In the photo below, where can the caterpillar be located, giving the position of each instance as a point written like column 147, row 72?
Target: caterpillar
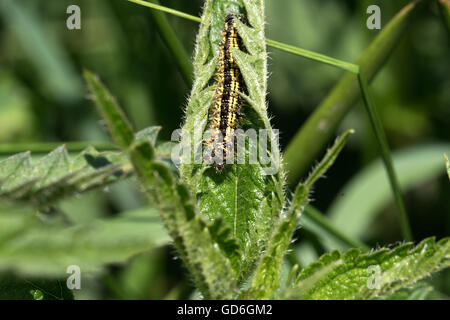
column 225, row 110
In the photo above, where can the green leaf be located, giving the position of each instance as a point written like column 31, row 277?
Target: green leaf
column 118, row 125
column 203, row 247
column 31, row 247
column 192, row 236
column 247, row 198
column 420, row 291
column 266, row 277
column 353, row 275
column 150, row 134
column 57, row 175
column 414, row 166
column 222, row 235
column 321, row 125
column 138, row 280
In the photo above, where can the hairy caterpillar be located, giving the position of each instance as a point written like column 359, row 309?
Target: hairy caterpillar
column 224, row 113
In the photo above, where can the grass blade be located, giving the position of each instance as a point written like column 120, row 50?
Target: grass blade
column 168, row 10
column 271, row 43
column 321, row 125
column 173, row 43
column 55, row 70
column 414, row 166
column 314, row 56
column 386, row 156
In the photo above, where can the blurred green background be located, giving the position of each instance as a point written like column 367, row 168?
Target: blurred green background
column 43, row 98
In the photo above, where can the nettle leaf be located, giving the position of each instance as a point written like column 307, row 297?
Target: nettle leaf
column 202, row 246
column 247, row 198
column 119, row 127
column 57, row 175
column 222, row 235
column 206, row 248
column 266, row 278
column 31, row 247
column 353, row 275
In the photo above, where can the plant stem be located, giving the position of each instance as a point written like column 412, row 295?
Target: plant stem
column 386, row 156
